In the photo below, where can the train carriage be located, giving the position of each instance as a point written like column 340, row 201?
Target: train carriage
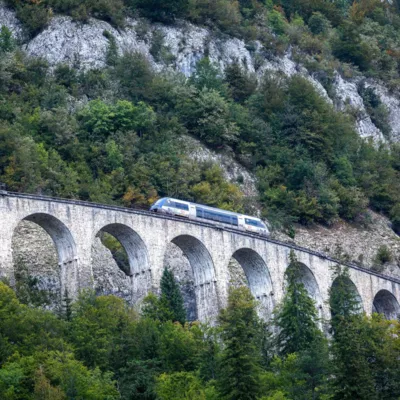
column 168, row 205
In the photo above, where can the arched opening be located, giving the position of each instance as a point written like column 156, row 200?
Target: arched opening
column 45, row 260
column 385, row 303
column 191, row 263
column 120, row 263
column 248, row 268
column 346, row 284
column 307, row 278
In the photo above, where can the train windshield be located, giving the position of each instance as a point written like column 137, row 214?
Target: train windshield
column 159, row 202
column 255, row 222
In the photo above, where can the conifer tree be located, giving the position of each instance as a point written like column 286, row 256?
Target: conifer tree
column 351, row 370
column 171, row 297
column 67, row 306
column 297, row 317
column 241, row 85
column 241, row 355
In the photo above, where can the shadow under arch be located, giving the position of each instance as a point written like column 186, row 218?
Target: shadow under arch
column 386, row 303
column 138, row 277
column 64, row 280
column 307, row 278
column 348, row 285
column 258, row 279
column 202, row 265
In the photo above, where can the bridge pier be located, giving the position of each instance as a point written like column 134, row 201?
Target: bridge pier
column 6, row 262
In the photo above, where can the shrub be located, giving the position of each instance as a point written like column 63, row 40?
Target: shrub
column 318, row 23
column 383, row 255
column 160, row 10
column 7, row 43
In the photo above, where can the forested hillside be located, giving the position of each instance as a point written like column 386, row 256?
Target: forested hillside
column 112, row 135
column 121, row 131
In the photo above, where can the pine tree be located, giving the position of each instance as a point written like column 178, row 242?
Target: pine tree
column 241, row 355
column 297, row 317
column 171, row 297
column 343, row 300
column 352, row 377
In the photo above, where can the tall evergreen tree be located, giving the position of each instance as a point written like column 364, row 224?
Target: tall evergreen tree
column 241, row 84
column 241, row 355
column 352, row 376
column 171, row 296
column 297, row 317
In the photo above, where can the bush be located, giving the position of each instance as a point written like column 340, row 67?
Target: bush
column 160, row 10
column 7, row 43
column 383, row 255
column 318, row 24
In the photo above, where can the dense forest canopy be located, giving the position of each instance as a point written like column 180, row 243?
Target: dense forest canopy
column 99, row 348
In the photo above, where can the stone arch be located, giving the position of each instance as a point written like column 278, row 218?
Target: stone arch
column 134, row 283
column 205, row 283
column 310, row 283
column 61, row 235
column 350, row 286
column 258, row 279
column 55, row 281
column 386, row 303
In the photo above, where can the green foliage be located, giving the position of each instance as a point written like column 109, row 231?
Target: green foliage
column 103, row 350
column 206, row 114
column 241, row 84
column 297, row 317
column 376, row 109
column 318, row 23
column 208, row 76
column 130, row 149
column 159, row 10
column 7, row 43
column 172, row 297
column 384, row 255
column 169, row 306
column 241, row 357
column 352, row 374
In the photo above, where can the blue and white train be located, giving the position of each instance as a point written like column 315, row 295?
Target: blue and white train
column 168, row 205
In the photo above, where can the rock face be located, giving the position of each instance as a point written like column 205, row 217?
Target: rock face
column 359, row 244
column 85, row 46
column 8, row 19
column 233, row 171
column 346, row 95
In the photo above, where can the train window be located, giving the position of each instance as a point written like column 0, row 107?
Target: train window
column 181, row 206
column 215, row 216
column 254, row 222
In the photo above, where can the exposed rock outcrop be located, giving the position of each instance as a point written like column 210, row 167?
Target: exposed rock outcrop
column 351, row 242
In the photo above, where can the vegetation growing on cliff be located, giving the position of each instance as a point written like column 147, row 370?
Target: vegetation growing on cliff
column 102, row 349
column 117, row 136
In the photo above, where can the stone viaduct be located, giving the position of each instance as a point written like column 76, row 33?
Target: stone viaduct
column 73, row 226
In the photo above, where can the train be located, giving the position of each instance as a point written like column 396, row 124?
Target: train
column 186, row 209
